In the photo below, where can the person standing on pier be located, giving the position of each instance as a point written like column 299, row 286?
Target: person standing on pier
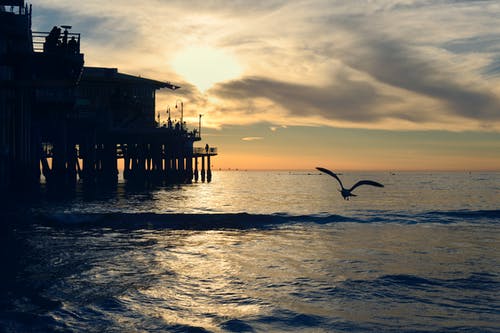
column 73, row 45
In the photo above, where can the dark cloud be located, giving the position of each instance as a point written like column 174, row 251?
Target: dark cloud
column 493, row 69
column 437, row 3
column 486, row 43
column 390, row 63
column 394, row 63
column 237, row 7
column 103, row 29
column 482, row 43
column 345, row 100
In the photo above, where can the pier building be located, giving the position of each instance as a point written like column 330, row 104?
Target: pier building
column 69, row 122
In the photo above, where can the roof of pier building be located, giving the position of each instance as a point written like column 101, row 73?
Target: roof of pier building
column 111, row 75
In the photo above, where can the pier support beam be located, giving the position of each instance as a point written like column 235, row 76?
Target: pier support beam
column 189, row 168
column 203, row 168
column 109, row 171
column 209, row 170
column 126, row 161
column 196, row 168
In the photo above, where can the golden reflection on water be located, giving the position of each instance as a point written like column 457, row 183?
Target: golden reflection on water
column 204, row 277
column 368, row 272
column 234, row 274
column 200, row 281
column 251, row 192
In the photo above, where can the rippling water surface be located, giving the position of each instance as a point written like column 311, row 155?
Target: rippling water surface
column 258, row 252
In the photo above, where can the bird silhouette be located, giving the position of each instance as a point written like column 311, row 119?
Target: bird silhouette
column 346, row 193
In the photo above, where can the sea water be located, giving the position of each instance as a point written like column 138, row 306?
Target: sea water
column 257, row 252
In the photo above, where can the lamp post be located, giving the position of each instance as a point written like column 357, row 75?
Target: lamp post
column 199, row 126
column 182, row 112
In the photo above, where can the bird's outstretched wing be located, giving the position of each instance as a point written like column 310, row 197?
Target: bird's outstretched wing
column 331, row 173
column 366, row 182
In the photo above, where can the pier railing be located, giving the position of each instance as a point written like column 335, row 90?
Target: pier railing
column 40, row 38
column 197, row 151
column 200, row 151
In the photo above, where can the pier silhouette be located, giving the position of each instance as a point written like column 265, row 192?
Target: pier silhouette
column 68, row 122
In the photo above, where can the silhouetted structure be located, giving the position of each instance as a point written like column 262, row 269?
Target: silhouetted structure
column 16, row 92
column 69, row 121
column 37, row 96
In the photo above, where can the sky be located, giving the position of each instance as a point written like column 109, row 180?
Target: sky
column 344, row 84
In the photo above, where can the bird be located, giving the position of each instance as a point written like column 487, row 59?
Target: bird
column 346, row 193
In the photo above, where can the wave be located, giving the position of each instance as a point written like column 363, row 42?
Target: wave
column 468, row 214
column 440, row 217
column 251, row 221
column 183, row 221
column 476, row 281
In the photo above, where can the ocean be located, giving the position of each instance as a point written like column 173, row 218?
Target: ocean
column 256, row 251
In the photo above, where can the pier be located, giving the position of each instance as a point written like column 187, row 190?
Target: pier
column 68, row 122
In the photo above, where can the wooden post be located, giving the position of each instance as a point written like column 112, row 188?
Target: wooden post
column 135, row 161
column 71, row 164
column 196, row 168
column 110, row 163
column 168, row 162
column 164, row 162
column 147, row 152
column 126, row 161
column 79, row 168
column 209, row 170
column 142, row 161
column 182, row 168
column 189, row 168
column 202, row 168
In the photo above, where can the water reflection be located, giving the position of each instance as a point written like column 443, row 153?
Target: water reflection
column 204, row 283
column 371, row 269
column 291, row 277
column 290, row 193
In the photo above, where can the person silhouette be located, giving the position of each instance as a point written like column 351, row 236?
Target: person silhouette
column 72, row 45
column 51, row 40
column 65, row 38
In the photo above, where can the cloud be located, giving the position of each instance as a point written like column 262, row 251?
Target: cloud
column 276, row 128
column 379, row 64
column 383, row 75
column 395, row 64
column 346, row 100
column 252, row 138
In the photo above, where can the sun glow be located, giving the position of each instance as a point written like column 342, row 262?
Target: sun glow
column 205, row 66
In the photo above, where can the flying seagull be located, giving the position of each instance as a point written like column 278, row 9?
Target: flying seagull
column 346, row 193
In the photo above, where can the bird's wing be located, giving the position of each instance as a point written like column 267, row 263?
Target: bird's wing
column 366, row 182
column 331, row 173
